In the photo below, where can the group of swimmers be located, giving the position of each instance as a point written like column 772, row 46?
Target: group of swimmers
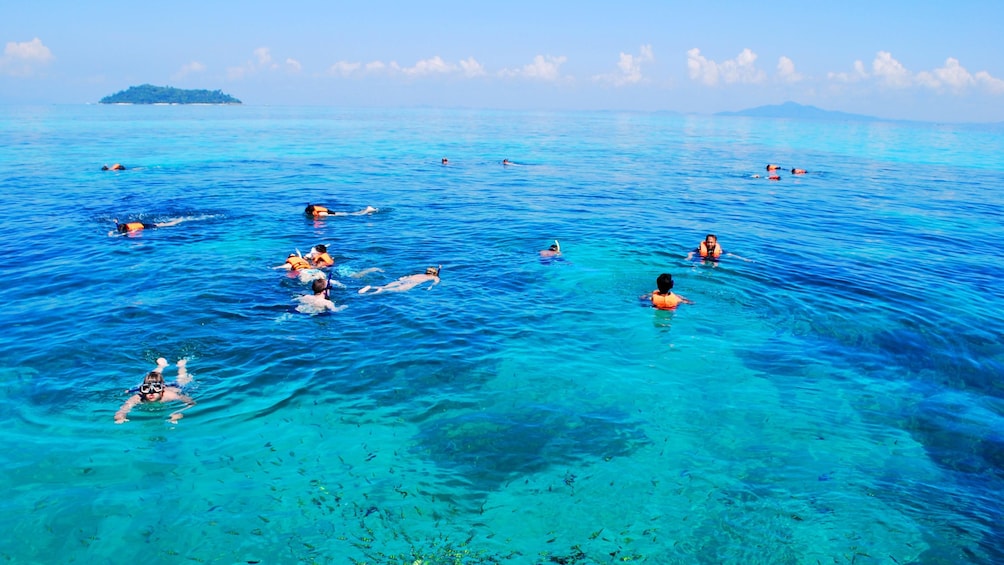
column 772, row 172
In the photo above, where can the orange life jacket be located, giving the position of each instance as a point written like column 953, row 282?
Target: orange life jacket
column 323, row 260
column 134, row 226
column 715, row 252
column 317, row 211
column 297, row 263
column 665, row 301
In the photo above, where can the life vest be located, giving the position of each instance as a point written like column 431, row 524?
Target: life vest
column 323, row 260
column 715, row 253
column 316, row 210
column 297, row 263
column 666, row 301
column 133, row 226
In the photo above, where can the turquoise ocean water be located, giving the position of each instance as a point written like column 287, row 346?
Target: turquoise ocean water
column 838, row 398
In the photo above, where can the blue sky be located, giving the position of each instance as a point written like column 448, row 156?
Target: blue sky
column 920, row 60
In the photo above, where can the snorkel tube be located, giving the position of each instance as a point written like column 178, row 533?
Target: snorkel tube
column 557, row 246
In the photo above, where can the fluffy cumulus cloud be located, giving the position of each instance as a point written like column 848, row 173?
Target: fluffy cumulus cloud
column 630, row 68
column 786, row 70
column 469, row 67
column 952, row 77
column 25, row 57
column 741, row 70
column 543, row 67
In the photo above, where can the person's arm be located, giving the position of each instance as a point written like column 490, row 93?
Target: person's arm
column 739, row 257
column 183, row 377
column 178, row 414
column 123, row 411
column 435, row 281
column 684, row 300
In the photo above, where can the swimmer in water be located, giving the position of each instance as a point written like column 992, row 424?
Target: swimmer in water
column 711, row 249
column 319, row 301
column 132, row 228
column 663, row 297
column 115, row 167
column 154, row 389
column 317, row 211
column 406, row 283
column 798, row 171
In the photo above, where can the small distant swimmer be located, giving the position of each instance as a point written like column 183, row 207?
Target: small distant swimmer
column 507, row 162
column 552, row 253
column 773, row 167
column 406, row 283
column 318, row 211
column 115, row 167
column 135, row 227
column 774, row 177
column 154, row 389
column 798, row 171
column 663, row 297
column 446, row 161
column 318, row 302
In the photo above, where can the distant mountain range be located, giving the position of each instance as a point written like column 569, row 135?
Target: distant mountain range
column 150, row 94
column 793, row 110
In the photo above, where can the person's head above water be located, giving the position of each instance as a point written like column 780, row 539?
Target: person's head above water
column 319, row 285
column 433, row 271
column 321, row 248
column 664, row 282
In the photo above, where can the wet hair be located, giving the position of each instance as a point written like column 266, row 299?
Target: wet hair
column 553, row 247
column 664, row 282
column 153, row 377
column 711, row 235
column 321, row 247
column 319, row 285
column 432, row 271
column 122, row 227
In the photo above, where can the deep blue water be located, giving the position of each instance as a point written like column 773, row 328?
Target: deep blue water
column 839, row 397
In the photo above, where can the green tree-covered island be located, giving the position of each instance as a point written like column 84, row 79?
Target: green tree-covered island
column 150, row 94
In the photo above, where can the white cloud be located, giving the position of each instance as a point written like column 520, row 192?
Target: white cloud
column 951, row 77
column 786, row 70
column 471, row 67
column 434, row 65
column 375, row 66
column 543, row 68
column 890, row 71
column 187, row 69
column 21, row 58
column 741, row 70
column 630, row 68
column 262, row 62
column 994, row 85
column 859, row 74
column 344, row 68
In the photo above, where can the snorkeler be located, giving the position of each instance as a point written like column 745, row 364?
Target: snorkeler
column 319, row 257
column 136, row 227
column 115, row 167
column 154, row 389
column 317, row 211
column 554, row 250
column 663, row 297
column 406, row 283
column 320, row 301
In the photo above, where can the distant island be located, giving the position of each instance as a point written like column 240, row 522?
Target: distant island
column 149, row 94
column 793, row 110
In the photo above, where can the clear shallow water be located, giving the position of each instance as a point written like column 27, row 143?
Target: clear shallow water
column 838, row 398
